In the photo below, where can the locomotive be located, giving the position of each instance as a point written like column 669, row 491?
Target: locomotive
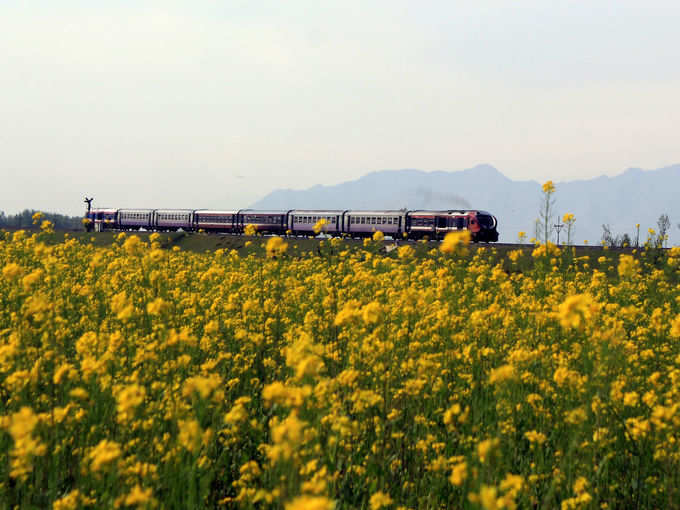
column 416, row 224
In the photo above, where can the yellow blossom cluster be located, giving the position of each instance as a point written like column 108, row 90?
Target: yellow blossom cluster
column 133, row 376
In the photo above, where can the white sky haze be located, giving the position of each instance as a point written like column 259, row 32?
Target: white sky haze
column 216, row 103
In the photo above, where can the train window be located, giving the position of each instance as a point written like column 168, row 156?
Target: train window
column 384, row 220
column 363, row 220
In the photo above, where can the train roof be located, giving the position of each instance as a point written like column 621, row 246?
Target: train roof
column 394, row 212
column 103, row 210
column 212, row 211
column 136, row 210
column 174, row 210
column 257, row 211
column 448, row 211
column 321, row 212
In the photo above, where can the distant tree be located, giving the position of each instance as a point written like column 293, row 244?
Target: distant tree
column 607, row 236
column 664, row 224
column 614, row 240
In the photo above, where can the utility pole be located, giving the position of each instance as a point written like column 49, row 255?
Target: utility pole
column 558, row 226
column 88, row 201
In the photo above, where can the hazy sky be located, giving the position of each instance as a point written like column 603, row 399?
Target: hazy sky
column 215, row 103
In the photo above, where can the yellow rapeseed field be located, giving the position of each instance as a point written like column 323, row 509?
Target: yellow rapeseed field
column 137, row 377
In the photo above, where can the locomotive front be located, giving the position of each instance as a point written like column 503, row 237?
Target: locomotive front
column 482, row 226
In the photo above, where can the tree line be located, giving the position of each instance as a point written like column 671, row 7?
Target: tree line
column 24, row 219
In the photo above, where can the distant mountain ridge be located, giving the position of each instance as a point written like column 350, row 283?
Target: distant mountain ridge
column 635, row 196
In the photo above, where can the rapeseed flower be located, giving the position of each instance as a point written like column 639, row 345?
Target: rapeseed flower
column 276, row 247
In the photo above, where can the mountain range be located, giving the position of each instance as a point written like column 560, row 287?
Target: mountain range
column 622, row 201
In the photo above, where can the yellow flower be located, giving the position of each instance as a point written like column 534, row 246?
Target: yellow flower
column 250, row 230
column 156, row 307
column 485, row 447
column 454, row 240
column 133, row 245
column 458, row 474
column 47, row 226
column 501, row 374
column 535, row 437
column 129, row 398
column 576, row 311
column 21, row 427
column 11, row 271
column 628, row 266
column 378, row 236
column 190, row 434
column 380, row 500
column 104, row 454
column 236, row 415
column 31, row 279
column 372, row 313
column 202, row 385
column 276, row 247
column 488, row 498
column 121, row 306
column 139, row 496
column 319, row 225
column 675, row 327
column 310, row 503
column 548, row 187
column 36, row 307
column 405, row 252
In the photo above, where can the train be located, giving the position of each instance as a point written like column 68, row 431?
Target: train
column 411, row 224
